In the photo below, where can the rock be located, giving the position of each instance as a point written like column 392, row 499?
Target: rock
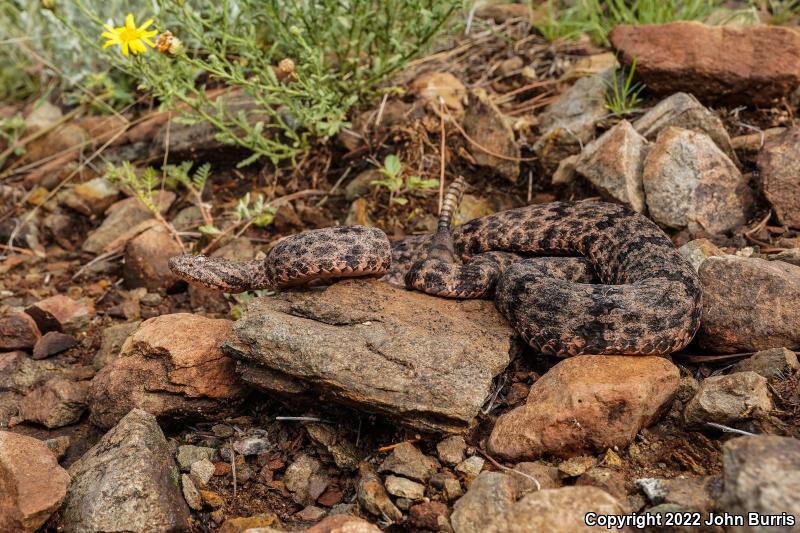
column 19, row 373
column 750, row 65
column 56, row 403
column 749, row 304
column 59, row 446
column 774, row 363
column 613, row 164
column 452, row 489
column 298, row 478
column 310, row 513
column 42, row 116
column 428, row 362
column 189, row 455
column 690, row 182
column 343, row 524
column 90, row 198
column 32, row 484
column 179, row 371
column 124, row 220
column 563, row 510
column 133, row 464
column 212, row 499
column 190, row 493
column 471, row 207
column 240, row 524
column 406, row 460
column 487, row 127
column 698, row 494
column 202, row 471
column 52, row 343
column 372, row 496
column 609, row 480
column 568, row 124
column 451, row 450
column 779, row 166
column 342, row 451
column 18, row 331
column 146, row 260
column 576, row 466
column 61, row 313
column 729, row 399
column 404, row 488
column 488, row 498
column 687, row 389
column 253, row 444
column 524, row 474
column 430, row 515
column 565, row 173
column 238, row 249
column 111, row 341
column 699, row 250
column 434, row 85
column 682, row 110
column 470, row 467
column 586, row 403
column 761, row 475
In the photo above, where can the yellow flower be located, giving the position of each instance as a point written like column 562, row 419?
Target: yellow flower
column 129, row 37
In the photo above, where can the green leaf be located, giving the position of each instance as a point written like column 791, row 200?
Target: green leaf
column 207, row 229
column 392, row 165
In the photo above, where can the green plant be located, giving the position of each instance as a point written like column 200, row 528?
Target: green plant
column 38, row 50
column 397, row 185
column 11, row 130
column 301, row 65
column 568, row 20
column 781, row 11
column 623, row 94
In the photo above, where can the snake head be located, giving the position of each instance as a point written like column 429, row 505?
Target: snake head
column 217, row 273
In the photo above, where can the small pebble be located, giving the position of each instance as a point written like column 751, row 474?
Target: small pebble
column 471, row 467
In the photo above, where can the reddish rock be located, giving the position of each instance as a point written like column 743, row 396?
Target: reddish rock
column 586, row 403
column 56, row 403
column 52, row 343
column 726, row 64
column 171, row 366
column 125, row 220
column 146, row 260
column 61, row 313
column 749, row 304
column 779, row 165
column 429, row 515
column 32, row 484
column 18, row 332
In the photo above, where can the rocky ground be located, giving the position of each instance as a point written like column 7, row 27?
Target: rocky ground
column 131, row 402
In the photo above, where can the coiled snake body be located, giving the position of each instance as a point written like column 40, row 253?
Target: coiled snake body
column 616, row 286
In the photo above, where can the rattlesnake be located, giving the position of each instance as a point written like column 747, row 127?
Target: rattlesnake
column 617, row 285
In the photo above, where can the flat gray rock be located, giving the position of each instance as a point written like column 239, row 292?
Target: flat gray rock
column 427, row 362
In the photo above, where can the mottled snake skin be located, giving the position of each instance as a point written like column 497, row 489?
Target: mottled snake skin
column 620, row 286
